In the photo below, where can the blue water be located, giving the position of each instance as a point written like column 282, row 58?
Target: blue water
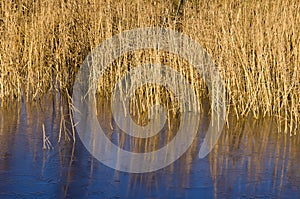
column 250, row 160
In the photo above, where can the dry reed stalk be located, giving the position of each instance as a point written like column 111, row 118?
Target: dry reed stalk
column 256, row 46
column 46, row 142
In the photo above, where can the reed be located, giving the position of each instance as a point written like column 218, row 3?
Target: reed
column 256, row 45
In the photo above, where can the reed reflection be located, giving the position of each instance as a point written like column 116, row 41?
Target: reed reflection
column 179, row 171
column 250, row 159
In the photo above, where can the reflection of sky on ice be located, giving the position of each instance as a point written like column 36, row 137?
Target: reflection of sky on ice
column 250, row 159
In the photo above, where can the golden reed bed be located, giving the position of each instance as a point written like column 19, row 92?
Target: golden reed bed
column 256, row 45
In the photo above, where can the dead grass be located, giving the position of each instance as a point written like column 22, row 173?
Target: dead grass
column 255, row 44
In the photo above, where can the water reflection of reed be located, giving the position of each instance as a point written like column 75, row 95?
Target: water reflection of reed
column 182, row 166
column 249, row 156
column 269, row 159
column 21, row 136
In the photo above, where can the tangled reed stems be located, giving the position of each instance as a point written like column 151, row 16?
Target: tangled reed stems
column 256, row 46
